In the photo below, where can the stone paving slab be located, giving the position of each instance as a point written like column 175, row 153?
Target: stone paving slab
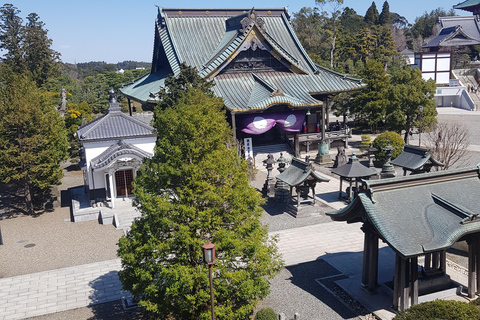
column 59, row 290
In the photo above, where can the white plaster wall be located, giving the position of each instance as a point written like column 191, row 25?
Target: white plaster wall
column 94, row 149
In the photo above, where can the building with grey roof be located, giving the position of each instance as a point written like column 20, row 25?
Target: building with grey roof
column 115, row 145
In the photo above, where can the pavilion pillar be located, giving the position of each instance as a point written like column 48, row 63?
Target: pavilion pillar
column 414, row 281
column 428, row 261
column 129, row 107
column 404, row 284
column 373, row 270
column 477, row 265
column 435, row 260
column 370, row 260
column 234, row 128
column 340, row 193
column 296, row 144
column 471, row 268
column 323, row 123
column 443, row 261
column 327, row 107
column 401, row 283
column 396, row 282
column 111, row 186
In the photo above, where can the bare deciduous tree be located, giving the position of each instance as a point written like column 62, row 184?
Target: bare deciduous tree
column 448, row 143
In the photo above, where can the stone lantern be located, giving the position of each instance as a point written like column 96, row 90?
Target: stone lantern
column 388, row 171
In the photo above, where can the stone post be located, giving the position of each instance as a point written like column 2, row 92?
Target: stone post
column 269, row 186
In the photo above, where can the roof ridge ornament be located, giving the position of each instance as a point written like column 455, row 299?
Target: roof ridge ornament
column 252, row 17
column 113, row 105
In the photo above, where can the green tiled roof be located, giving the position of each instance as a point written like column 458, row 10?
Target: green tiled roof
column 298, row 172
column 210, row 39
column 420, row 213
column 465, row 5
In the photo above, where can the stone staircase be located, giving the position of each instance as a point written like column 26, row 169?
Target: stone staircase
column 467, row 77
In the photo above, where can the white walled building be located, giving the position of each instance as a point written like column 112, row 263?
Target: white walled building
column 115, row 145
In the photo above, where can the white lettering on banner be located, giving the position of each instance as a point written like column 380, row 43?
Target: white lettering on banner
column 248, row 148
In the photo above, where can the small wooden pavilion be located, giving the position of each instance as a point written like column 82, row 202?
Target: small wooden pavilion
column 416, row 160
column 302, row 176
column 353, row 170
column 418, row 215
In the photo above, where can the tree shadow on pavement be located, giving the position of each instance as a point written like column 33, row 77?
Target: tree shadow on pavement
column 10, row 201
column 305, row 277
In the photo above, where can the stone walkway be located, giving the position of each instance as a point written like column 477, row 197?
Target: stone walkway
column 59, row 290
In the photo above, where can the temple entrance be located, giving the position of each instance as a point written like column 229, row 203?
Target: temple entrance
column 123, row 182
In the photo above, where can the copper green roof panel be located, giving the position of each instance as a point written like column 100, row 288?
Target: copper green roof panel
column 146, row 88
column 467, row 5
column 207, row 38
column 421, row 213
column 413, row 158
column 298, row 172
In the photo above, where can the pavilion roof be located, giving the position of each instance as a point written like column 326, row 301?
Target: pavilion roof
column 213, row 41
column 353, row 169
column 298, row 172
column 413, row 158
column 114, row 125
column 456, row 31
column 421, row 213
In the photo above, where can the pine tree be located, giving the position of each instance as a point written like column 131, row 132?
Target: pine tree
column 193, row 191
column 371, row 16
column 385, row 17
column 33, row 140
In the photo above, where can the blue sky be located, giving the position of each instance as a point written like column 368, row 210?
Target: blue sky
column 118, row 30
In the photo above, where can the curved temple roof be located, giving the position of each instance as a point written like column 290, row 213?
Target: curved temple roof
column 298, row 172
column 237, row 49
column 420, row 213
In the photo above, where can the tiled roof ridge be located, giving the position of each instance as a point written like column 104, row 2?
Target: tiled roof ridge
column 420, row 179
column 264, row 82
column 99, row 121
column 166, row 38
column 343, row 75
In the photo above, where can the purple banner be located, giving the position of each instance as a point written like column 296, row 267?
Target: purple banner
column 260, row 123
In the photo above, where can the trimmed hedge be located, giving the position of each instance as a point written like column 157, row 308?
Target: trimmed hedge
column 266, row 314
column 381, row 141
column 441, row 310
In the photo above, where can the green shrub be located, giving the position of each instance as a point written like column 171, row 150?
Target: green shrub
column 266, row 314
column 366, row 141
column 441, row 310
column 381, row 141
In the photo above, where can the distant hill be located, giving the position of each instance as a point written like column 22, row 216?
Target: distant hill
column 92, row 68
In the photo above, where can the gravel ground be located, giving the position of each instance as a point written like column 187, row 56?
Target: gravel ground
column 50, row 241
column 295, row 289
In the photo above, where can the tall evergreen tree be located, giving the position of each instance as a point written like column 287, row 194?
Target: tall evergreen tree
column 27, row 47
column 371, row 16
column 11, row 37
column 193, row 191
column 385, row 16
column 33, row 140
column 40, row 59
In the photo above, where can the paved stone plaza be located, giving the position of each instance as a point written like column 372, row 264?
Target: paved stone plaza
column 314, row 249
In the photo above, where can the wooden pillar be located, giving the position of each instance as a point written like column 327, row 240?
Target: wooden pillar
column 477, row 265
column 471, row 268
column 435, row 260
column 428, row 261
column 327, row 113
column 129, row 107
column 443, row 261
column 323, row 122
column 350, row 191
column 234, row 128
column 404, row 280
column 340, row 193
column 366, row 260
column 414, row 281
column 373, row 264
column 296, row 144
column 396, row 282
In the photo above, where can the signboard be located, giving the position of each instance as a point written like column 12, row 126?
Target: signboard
column 454, row 83
column 248, row 148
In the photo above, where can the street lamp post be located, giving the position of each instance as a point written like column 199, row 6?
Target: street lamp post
column 209, row 257
column 420, row 109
